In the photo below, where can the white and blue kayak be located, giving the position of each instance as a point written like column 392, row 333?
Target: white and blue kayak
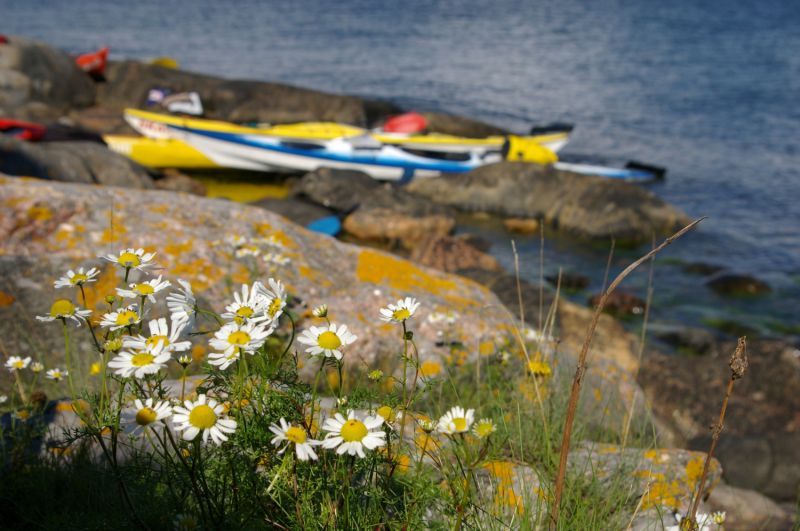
column 633, row 171
column 308, row 146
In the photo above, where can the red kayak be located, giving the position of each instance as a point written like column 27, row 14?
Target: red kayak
column 94, row 62
column 410, row 122
column 22, row 130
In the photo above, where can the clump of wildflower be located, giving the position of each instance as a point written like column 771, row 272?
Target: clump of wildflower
column 400, row 311
column 288, row 433
column 64, row 309
column 132, row 259
column 351, row 435
column 250, row 306
column 457, row 420
column 203, row 415
column 56, row 374
column 327, row 341
column 79, row 278
column 483, row 428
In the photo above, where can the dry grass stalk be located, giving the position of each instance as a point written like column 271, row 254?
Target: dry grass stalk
column 581, row 368
column 738, row 364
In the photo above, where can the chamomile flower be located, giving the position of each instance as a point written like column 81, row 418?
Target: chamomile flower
column 56, row 374
column 248, row 337
column 16, row 363
column 327, row 341
column 246, row 249
column 140, row 363
column 483, row 428
column 121, row 318
column 223, row 360
column 320, row 311
column 146, row 289
column 351, row 435
column 250, row 306
column 3, row 399
column 277, row 259
column 719, row 517
column 272, row 241
column 79, row 278
column 456, row 420
column 182, row 304
column 64, row 309
column 303, row 446
column 132, row 259
column 160, row 334
column 204, row 415
column 148, row 413
column 399, row 312
column 275, row 297
column 37, row 367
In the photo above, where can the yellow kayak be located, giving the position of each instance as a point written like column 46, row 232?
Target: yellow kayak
column 159, row 152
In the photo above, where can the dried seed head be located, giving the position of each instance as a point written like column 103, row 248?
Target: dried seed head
column 738, row 363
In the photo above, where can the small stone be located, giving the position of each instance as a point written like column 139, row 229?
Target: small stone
column 522, row 225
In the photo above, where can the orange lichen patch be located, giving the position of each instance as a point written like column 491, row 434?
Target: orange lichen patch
column 201, row 273
column 262, row 229
column 96, row 292
column 403, row 463
column 313, row 275
column 6, row 299
column 385, row 270
column 426, row 444
column 198, row 353
column 39, row 213
column 178, row 249
column 609, row 449
column 241, row 275
column 159, row 209
column 430, row 368
column 503, row 472
column 486, row 348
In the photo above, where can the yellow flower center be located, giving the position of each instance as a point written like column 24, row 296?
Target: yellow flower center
column 401, row 315
column 354, row 431
column 460, row 423
column 296, row 435
column 152, row 341
column 385, row 412
column 78, row 278
column 126, row 317
column 202, row 417
column 484, row 429
column 145, row 416
column 141, row 359
column 61, row 308
column 19, row 364
column 127, row 259
column 329, row 341
column 144, row 289
column 245, row 311
column 274, row 306
column 239, row 338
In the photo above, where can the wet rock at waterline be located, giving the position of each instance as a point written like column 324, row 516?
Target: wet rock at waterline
column 687, row 340
column 451, row 254
column 738, row 285
column 580, row 205
column 569, row 281
column 620, row 304
column 83, row 162
column 760, row 446
column 40, row 83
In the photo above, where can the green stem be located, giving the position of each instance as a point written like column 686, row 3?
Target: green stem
column 67, row 360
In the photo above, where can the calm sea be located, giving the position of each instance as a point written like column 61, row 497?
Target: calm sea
column 708, row 89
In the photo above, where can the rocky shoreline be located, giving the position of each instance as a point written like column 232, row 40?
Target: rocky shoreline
column 46, row 227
